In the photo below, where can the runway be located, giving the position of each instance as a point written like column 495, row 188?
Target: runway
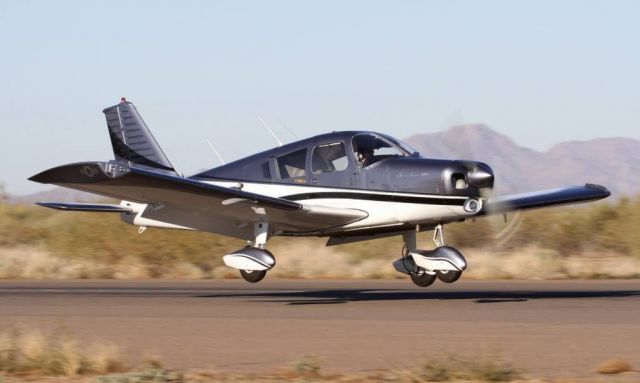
column 549, row 328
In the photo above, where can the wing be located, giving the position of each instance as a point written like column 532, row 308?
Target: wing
column 544, row 198
column 192, row 204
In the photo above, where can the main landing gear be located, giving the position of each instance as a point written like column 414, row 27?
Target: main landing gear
column 253, row 276
column 254, row 260
column 425, row 266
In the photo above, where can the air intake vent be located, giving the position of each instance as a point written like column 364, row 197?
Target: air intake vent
column 266, row 172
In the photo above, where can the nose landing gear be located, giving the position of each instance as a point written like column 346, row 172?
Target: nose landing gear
column 422, row 278
column 424, row 266
column 448, row 276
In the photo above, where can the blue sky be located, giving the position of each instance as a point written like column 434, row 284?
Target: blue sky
column 538, row 71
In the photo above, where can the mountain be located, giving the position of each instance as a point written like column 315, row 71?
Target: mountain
column 612, row 162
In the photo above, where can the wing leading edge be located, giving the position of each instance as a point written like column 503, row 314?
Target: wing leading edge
column 544, row 198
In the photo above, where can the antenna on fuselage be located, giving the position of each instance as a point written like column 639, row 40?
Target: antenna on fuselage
column 287, row 128
column 270, row 131
column 215, row 151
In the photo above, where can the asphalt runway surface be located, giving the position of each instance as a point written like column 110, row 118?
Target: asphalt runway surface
column 549, row 328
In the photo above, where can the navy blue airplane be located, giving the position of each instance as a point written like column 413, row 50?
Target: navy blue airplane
column 348, row 186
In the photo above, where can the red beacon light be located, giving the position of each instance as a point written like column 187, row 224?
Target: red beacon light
column 122, row 99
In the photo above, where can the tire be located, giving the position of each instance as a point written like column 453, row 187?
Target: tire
column 253, row 276
column 448, row 276
column 423, row 279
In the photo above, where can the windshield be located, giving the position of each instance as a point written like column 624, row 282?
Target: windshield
column 406, row 147
column 370, row 148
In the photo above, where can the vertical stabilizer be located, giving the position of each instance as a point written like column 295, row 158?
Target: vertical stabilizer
column 132, row 141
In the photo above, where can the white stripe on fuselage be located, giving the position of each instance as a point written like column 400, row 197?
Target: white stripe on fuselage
column 381, row 213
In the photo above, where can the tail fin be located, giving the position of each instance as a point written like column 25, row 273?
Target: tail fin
column 132, row 141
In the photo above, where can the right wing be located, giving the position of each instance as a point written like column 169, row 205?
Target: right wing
column 192, row 204
column 544, row 198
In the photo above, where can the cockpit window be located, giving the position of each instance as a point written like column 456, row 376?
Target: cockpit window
column 403, row 145
column 370, row 148
column 292, row 165
column 329, row 158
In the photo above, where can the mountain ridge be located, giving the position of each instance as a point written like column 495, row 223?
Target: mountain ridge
column 611, row 161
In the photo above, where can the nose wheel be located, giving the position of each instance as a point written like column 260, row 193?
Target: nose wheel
column 448, row 276
column 422, row 278
column 425, row 266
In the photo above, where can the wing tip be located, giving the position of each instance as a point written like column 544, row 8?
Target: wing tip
column 41, row 177
column 603, row 191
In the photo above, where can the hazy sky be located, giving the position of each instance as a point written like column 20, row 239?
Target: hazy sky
column 539, row 71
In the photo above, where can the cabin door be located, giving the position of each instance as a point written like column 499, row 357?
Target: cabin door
column 331, row 166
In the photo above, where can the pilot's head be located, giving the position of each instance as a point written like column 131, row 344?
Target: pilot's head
column 365, row 156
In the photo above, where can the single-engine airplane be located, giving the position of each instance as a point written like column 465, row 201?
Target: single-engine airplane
column 348, row 186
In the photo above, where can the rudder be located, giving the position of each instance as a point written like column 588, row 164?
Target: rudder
column 132, row 140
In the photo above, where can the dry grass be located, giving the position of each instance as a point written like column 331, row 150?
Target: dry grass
column 309, row 369
column 537, row 263
column 305, row 259
column 455, row 369
column 308, row 259
column 594, row 241
column 35, row 263
column 614, row 366
column 26, row 351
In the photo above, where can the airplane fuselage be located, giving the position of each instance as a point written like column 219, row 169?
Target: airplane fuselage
column 397, row 188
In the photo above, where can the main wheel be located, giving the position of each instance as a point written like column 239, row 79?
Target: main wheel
column 253, row 276
column 423, row 279
column 448, row 276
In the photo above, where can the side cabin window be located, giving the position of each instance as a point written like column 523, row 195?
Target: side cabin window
column 293, row 165
column 370, row 148
column 329, row 158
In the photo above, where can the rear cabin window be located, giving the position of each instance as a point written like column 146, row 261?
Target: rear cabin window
column 293, row 165
column 329, row 158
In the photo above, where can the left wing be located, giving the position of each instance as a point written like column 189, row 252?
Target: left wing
column 544, row 198
column 191, row 204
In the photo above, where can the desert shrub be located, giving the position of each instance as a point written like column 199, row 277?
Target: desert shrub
column 55, row 352
column 454, row 368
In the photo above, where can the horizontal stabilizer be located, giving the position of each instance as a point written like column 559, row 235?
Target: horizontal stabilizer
column 95, row 207
column 544, row 198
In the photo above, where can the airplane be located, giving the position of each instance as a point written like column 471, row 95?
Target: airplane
column 348, row 186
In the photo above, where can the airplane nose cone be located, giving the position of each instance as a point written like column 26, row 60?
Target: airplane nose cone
column 480, row 175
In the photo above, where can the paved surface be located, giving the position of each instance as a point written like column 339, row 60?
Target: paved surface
column 559, row 328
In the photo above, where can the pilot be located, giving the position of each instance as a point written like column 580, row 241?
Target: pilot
column 365, row 156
